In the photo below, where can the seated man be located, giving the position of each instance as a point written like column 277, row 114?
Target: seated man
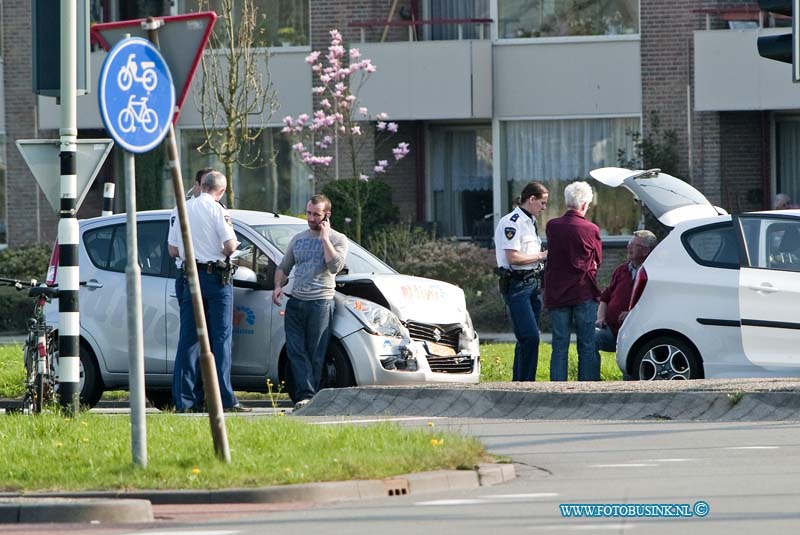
column 615, row 299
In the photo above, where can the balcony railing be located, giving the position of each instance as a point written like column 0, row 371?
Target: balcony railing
column 412, row 25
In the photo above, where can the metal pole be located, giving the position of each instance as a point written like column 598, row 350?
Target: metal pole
column 216, row 416
column 108, row 199
column 68, row 230
column 133, row 275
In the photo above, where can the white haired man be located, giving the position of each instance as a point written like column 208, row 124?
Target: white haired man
column 570, row 285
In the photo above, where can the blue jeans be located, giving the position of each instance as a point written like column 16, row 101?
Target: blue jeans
column 307, row 327
column 524, row 306
column 606, row 341
column 584, row 315
column 187, row 381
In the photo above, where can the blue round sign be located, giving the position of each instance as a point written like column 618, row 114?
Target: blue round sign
column 137, row 98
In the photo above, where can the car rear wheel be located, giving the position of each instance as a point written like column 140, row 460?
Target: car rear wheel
column 667, row 358
column 91, row 384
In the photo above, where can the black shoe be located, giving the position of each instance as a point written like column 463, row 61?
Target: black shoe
column 238, row 408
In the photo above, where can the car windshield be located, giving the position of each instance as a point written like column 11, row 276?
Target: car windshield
column 359, row 260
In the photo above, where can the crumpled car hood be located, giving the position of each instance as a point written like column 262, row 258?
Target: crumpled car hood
column 411, row 298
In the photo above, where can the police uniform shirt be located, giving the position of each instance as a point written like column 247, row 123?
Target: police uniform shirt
column 516, row 231
column 211, row 227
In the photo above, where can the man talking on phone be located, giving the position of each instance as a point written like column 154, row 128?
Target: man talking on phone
column 313, row 257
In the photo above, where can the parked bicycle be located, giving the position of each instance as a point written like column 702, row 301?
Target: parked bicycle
column 40, row 350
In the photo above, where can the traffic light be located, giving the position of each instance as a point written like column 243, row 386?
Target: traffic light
column 783, row 47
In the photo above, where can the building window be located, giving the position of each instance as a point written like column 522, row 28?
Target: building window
column 461, row 10
column 563, row 18
column 280, row 23
column 557, row 152
column 787, row 156
column 461, row 179
column 280, row 184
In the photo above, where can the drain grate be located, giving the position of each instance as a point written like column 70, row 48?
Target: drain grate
column 396, row 487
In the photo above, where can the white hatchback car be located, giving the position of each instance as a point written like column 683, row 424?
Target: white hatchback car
column 718, row 296
column 388, row 329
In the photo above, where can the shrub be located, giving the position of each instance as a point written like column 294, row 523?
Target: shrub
column 378, row 210
column 25, row 262
column 393, row 243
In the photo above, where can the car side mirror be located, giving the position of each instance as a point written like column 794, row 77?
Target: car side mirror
column 245, row 277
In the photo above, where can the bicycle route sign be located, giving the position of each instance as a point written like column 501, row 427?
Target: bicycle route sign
column 136, row 94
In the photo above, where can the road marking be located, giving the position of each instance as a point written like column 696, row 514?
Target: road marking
column 752, row 448
column 376, row 420
column 452, row 502
column 625, row 465
column 489, row 499
column 199, row 532
column 667, row 460
column 585, row 527
column 533, row 495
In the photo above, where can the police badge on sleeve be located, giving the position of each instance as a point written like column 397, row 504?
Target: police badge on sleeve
column 510, row 232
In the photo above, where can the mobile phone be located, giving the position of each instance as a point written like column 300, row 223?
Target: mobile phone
column 325, row 218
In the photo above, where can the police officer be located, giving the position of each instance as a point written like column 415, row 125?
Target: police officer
column 520, row 259
column 213, row 240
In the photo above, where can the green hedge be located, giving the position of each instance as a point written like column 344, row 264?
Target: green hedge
column 24, row 263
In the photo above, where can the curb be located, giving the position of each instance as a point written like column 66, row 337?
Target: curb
column 25, row 510
column 532, row 405
column 125, row 507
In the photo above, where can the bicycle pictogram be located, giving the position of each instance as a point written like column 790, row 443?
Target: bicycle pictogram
column 137, row 112
column 128, row 74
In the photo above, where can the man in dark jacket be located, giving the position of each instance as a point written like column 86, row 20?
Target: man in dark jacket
column 570, row 287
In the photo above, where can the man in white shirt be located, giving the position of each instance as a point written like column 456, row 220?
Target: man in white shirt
column 213, row 240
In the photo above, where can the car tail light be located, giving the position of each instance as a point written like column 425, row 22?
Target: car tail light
column 52, row 269
column 638, row 287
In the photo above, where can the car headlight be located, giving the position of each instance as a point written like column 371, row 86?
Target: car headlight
column 377, row 319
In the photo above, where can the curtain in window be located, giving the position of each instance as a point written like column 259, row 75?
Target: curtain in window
column 788, row 159
column 564, row 149
column 455, row 164
column 457, row 9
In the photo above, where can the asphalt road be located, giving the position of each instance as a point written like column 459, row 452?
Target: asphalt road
column 746, row 472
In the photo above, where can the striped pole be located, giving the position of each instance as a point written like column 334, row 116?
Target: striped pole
column 68, row 231
column 108, row 199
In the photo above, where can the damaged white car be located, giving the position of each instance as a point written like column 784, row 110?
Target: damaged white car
column 388, row 329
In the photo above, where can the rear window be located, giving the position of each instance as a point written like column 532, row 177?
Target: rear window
column 107, row 247
column 713, row 245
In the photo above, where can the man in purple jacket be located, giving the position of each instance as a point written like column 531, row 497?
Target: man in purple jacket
column 570, row 286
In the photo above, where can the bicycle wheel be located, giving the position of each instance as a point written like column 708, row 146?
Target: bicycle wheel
column 29, row 359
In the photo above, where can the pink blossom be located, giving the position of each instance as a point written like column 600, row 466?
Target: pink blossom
column 336, row 37
column 287, row 120
column 355, row 53
column 286, row 129
column 324, row 103
column 299, row 147
column 356, row 130
column 302, row 118
column 382, row 116
column 316, row 68
column 325, row 78
column 370, row 68
column 362, row 177
column 318, row 90
column 363, row 111
column 401, row 151
column 392, row 127
column 381, row 125
column 379, row 169
column 350, row 98
column 313, row 57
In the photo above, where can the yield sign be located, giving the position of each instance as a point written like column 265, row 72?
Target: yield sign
column 182, row 39
column 41, row 155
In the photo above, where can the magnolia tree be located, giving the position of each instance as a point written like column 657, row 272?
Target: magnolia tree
column 334, row 142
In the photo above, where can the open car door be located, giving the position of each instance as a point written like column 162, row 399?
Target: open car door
column 769, row 288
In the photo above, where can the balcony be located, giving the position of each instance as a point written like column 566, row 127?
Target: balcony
column 428, row 80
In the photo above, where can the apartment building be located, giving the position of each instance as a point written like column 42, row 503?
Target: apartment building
column 489, row 93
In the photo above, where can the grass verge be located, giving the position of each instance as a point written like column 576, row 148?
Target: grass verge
column 93, row 452
column 497, row 363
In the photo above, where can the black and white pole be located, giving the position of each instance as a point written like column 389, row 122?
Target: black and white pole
column 108, row 199
column 68, row 232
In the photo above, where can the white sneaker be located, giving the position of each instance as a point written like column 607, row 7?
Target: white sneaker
column 302, row 403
